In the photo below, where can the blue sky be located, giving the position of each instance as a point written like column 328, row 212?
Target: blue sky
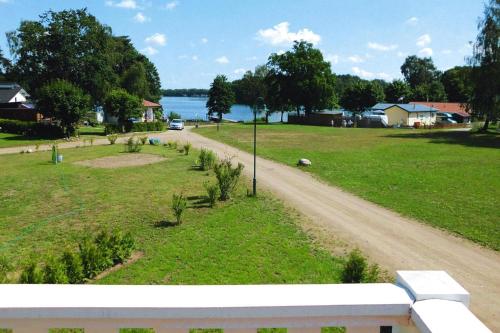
column 191, row 41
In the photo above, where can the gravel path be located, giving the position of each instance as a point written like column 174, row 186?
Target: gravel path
column 393, row 241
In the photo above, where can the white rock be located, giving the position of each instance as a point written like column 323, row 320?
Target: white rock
column 304, row 161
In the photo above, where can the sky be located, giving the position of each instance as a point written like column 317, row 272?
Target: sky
column 191, row 41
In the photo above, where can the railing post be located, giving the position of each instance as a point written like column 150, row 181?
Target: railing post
column 171, row 330
column 305, row 330
column 101, row 330
column 374, row 329
column 27, row 329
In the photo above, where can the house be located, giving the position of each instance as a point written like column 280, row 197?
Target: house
column 14, row 103
column 412, row 115
column 457, row 110
column 320, row 118
column 147, row 116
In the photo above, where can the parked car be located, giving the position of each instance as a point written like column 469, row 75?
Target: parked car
column 176, row 124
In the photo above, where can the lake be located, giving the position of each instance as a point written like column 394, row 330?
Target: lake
column 194, row 108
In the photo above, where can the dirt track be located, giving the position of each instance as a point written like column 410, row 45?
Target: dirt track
column 393, row 241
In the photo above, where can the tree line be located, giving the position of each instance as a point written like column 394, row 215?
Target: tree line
column 189, row 92
column 301, row 80
column 71, row 63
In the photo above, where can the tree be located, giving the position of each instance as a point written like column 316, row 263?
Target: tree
column 457, row 83
column 304, row 77
column 4, row 66
column 361, row 96
column 121, row 104
column 134, row 80
column 220, row 97
column 65, row 102
column 433, row 91
column 485, row 99
column 418, row 71
column 397, row 91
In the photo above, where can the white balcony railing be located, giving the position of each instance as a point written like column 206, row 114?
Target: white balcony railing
column 426, row 301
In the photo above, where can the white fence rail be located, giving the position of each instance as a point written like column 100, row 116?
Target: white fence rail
column 429, row 301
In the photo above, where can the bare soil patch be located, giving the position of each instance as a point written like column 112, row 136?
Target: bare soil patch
column 123, row 160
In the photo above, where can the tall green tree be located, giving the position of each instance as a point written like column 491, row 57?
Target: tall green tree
column 305, row 78
column 4, row 66
column 397, row 91
column 134, row 80
column 485, row 99
column 119, row 103
column 433, row 91
column 457, row 83
column 361, row 96
column 64, row 101
column 418, row 71
column 220, row 97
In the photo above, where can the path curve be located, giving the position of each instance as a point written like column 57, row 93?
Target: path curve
column 393, row 241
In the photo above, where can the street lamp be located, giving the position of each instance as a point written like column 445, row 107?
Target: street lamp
column 259, row 105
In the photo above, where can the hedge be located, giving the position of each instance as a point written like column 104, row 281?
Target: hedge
column 31, row 128
column 135, row 127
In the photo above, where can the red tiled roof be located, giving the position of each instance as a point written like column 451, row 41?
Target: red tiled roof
column 150, row 104
column 457, row 108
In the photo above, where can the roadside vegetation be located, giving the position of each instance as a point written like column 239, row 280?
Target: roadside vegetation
column 447, row 179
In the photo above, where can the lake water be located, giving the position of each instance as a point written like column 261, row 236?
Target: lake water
column 194, row 108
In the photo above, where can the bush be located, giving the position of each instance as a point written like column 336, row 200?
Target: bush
column 179, row 205
column 356, row 269
column 115, row 247
column 73, row 265
column 132, row 145
column 114, row 128
column 31, row 128
column 227, row 177
column 112, row 138
column 31, row 274
column 173, row 115
column 206, row 159
column 187, row 148
column 5, row 268
column 143, row 139
column 93, row 260
column 212, row 193
column 148, row 127
column 54, row 271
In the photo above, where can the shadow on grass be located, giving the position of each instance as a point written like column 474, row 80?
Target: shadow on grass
column 485, row 140
column 165, row 224
column 199, row 201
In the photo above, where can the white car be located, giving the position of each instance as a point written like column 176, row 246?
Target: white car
column 176, row 124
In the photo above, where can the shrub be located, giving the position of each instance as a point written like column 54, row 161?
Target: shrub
column 93, row 261
column 31, row 128
column 356, row 269
column 105, row 248
column 206, row 159
column 132, row 145
column 73, row 265
column 112, row 138
column 115, row 247
column 173, row 115
column 5, row 268
column 31, row 274
column 143, row 139
column 179, row 205
column 227, row 177
column 148, row 127
column 54, row 271
column 187, row 147
column 212, row 193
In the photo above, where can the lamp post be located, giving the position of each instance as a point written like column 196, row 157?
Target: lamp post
column 259, row 105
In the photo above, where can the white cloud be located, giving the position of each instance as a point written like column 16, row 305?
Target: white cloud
column 148, row 50
column 204, row 40
column 157, row 39
column 381, row 47
column 280, row 52
column 171, row 5
column 222, row 60
column 332, row 58
column 141, row 18
column 128, row 4
column 4, row 1
column 356, row 59
column 412, row 21
column 401, row 54
column 240, row 71
column 423, row 40
column 194, row 58
column 280, row 35
column 370, row 75
column 425, row 52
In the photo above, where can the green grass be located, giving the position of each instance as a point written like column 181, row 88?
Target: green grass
column 16, row 140
column 447, row 179
column 45, row 208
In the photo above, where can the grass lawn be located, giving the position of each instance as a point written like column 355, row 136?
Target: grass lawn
column 45, row 208
column 447, row 179
column 15, row 140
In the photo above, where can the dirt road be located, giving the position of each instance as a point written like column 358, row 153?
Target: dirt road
column 393, row 241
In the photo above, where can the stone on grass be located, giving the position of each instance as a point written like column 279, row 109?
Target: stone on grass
column 304, row 162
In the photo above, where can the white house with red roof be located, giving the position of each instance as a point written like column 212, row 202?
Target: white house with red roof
column 458, row 111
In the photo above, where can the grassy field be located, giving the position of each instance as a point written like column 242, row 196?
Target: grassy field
column 45, row 208
column 447, row 179
column 15, row 140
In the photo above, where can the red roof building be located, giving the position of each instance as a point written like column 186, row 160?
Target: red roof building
column 150, row 104
column 457, row 108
